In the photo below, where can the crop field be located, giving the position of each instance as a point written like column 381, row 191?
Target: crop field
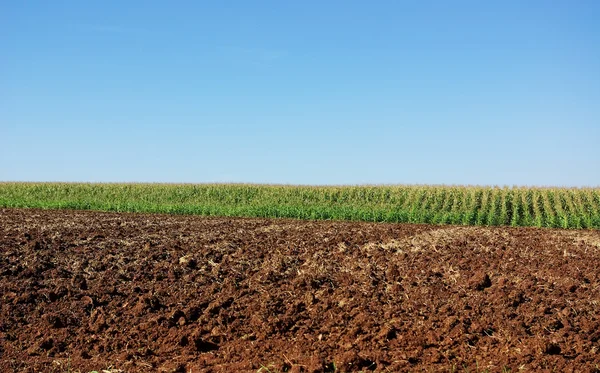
column 84, row 291
column 481, row 206
column 202, row 278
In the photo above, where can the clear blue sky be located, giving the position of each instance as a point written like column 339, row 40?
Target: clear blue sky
column 301, row 92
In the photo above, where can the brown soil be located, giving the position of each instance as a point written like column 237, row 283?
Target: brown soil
column 84, row 291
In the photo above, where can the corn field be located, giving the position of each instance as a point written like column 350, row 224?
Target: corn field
column 464, row 205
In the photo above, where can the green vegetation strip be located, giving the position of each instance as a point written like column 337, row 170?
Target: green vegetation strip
column 541, row 207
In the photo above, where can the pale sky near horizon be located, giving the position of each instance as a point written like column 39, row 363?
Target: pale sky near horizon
column 312, row 92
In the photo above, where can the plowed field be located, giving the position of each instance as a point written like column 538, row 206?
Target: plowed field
column 83, row 291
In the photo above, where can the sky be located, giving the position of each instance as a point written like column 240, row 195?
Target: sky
column 301, row 92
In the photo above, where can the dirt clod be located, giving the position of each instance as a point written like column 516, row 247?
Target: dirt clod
column 480, row 281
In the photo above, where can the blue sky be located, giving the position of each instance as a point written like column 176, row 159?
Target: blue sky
column 311, row 92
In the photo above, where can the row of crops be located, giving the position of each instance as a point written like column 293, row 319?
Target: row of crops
column 540, row 207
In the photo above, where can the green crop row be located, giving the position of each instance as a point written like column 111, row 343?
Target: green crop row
column 541, row 207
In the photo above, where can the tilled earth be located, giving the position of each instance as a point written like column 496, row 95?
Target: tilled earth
column 83, row 291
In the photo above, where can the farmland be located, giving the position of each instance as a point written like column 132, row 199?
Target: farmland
column 481, row 206
column 85, row 291
column 272, row 278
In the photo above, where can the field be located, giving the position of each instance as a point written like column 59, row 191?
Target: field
column 85, row 291
column 481, row 206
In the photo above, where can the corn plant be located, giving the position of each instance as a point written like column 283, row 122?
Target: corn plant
column 547, row 207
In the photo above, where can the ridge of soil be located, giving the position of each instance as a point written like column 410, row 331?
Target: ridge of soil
column 82, row 291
